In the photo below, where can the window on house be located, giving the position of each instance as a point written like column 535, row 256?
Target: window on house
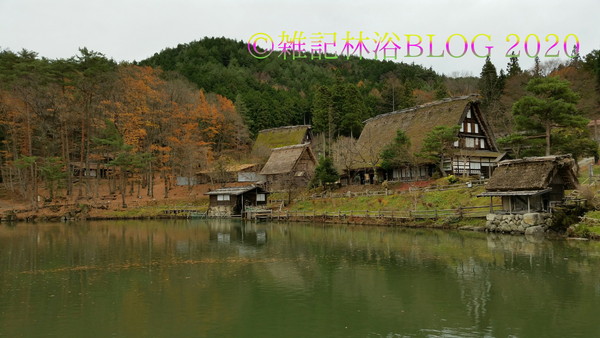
column 462, row 127
column 476, row 128
column 482, row 143
column 469, row 114
column 222, row 197
column 261, row 197
column 468, row 127
column 456, row 144
column 470, row 142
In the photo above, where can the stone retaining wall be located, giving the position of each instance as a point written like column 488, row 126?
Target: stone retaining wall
column 519, row 223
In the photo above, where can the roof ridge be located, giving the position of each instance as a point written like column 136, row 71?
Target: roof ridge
column 424, row 105
column 539, row 159
column 243, row 188
column 301, row 145
column 286, row 127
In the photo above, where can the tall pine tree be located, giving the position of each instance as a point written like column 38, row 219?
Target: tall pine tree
column 513, row 67
column 489, row 83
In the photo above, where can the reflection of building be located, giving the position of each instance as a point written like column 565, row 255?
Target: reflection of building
column 239, row 234
column 233, row 201
column 532, row 184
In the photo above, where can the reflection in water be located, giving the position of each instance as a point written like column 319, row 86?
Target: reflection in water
column 222, row 277
column 242, row 233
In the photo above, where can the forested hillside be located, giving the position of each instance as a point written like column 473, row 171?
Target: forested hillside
column 176, row 112
column 275, row 91
column 62, row 119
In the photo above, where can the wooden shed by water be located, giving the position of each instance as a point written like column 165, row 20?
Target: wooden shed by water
column 532, row 184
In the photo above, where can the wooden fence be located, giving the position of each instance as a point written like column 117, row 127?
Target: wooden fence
column 388, row 192
column 465, row 212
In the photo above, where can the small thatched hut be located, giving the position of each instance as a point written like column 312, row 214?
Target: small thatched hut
column 291, row 165
column 268, row 139
column 234, row 200
column 532, row 184
column 475, row 150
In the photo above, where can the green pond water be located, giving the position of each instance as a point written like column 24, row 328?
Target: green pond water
column 221, row 278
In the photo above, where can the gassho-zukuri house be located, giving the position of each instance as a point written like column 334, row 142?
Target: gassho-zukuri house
column 234, row 200
column 290, row 166
column 269, row 139
column 532, row 184
column 476, row 150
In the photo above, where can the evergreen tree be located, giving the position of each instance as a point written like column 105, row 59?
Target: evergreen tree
column 489, row 83
column 324, row 117
column 574, row 141
column 325, row 173
column 52, row 171
column 551, row 104
column 397, row 153
column 501, row 81
column 352, row 110
column 575, row 57
column 592, row 64
column 440, row 90
column 513, row 67
column 438, row 145
column 537, row 67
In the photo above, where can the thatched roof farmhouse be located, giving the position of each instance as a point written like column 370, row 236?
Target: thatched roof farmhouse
column 476, row 148
column 268, row 139
column 290, row 165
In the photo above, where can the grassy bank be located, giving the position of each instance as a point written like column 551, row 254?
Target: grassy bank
column 90, row 210
column 399, row 201
column 589, row 227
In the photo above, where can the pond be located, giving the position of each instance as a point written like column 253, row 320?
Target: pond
column 210, row 278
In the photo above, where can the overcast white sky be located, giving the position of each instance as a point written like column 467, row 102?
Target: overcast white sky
column 135, row 29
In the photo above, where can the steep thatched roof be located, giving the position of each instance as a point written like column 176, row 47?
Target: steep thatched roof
column 284, row 159
column 279, row 137
column 533, row 173
column 416, row 122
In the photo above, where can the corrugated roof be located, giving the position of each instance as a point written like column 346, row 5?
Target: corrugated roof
column 232, row 190
column 514, row 193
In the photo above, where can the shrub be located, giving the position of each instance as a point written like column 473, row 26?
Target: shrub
column 452, row 179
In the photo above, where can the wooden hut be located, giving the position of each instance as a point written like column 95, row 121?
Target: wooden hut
column 532, row 184
column 269, row 139
column 474, row 153
column 101, row 170
column 234, row 200
column 290, row 166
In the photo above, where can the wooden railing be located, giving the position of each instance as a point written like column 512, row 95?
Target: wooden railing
column 392, row 192
column 462, row 212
